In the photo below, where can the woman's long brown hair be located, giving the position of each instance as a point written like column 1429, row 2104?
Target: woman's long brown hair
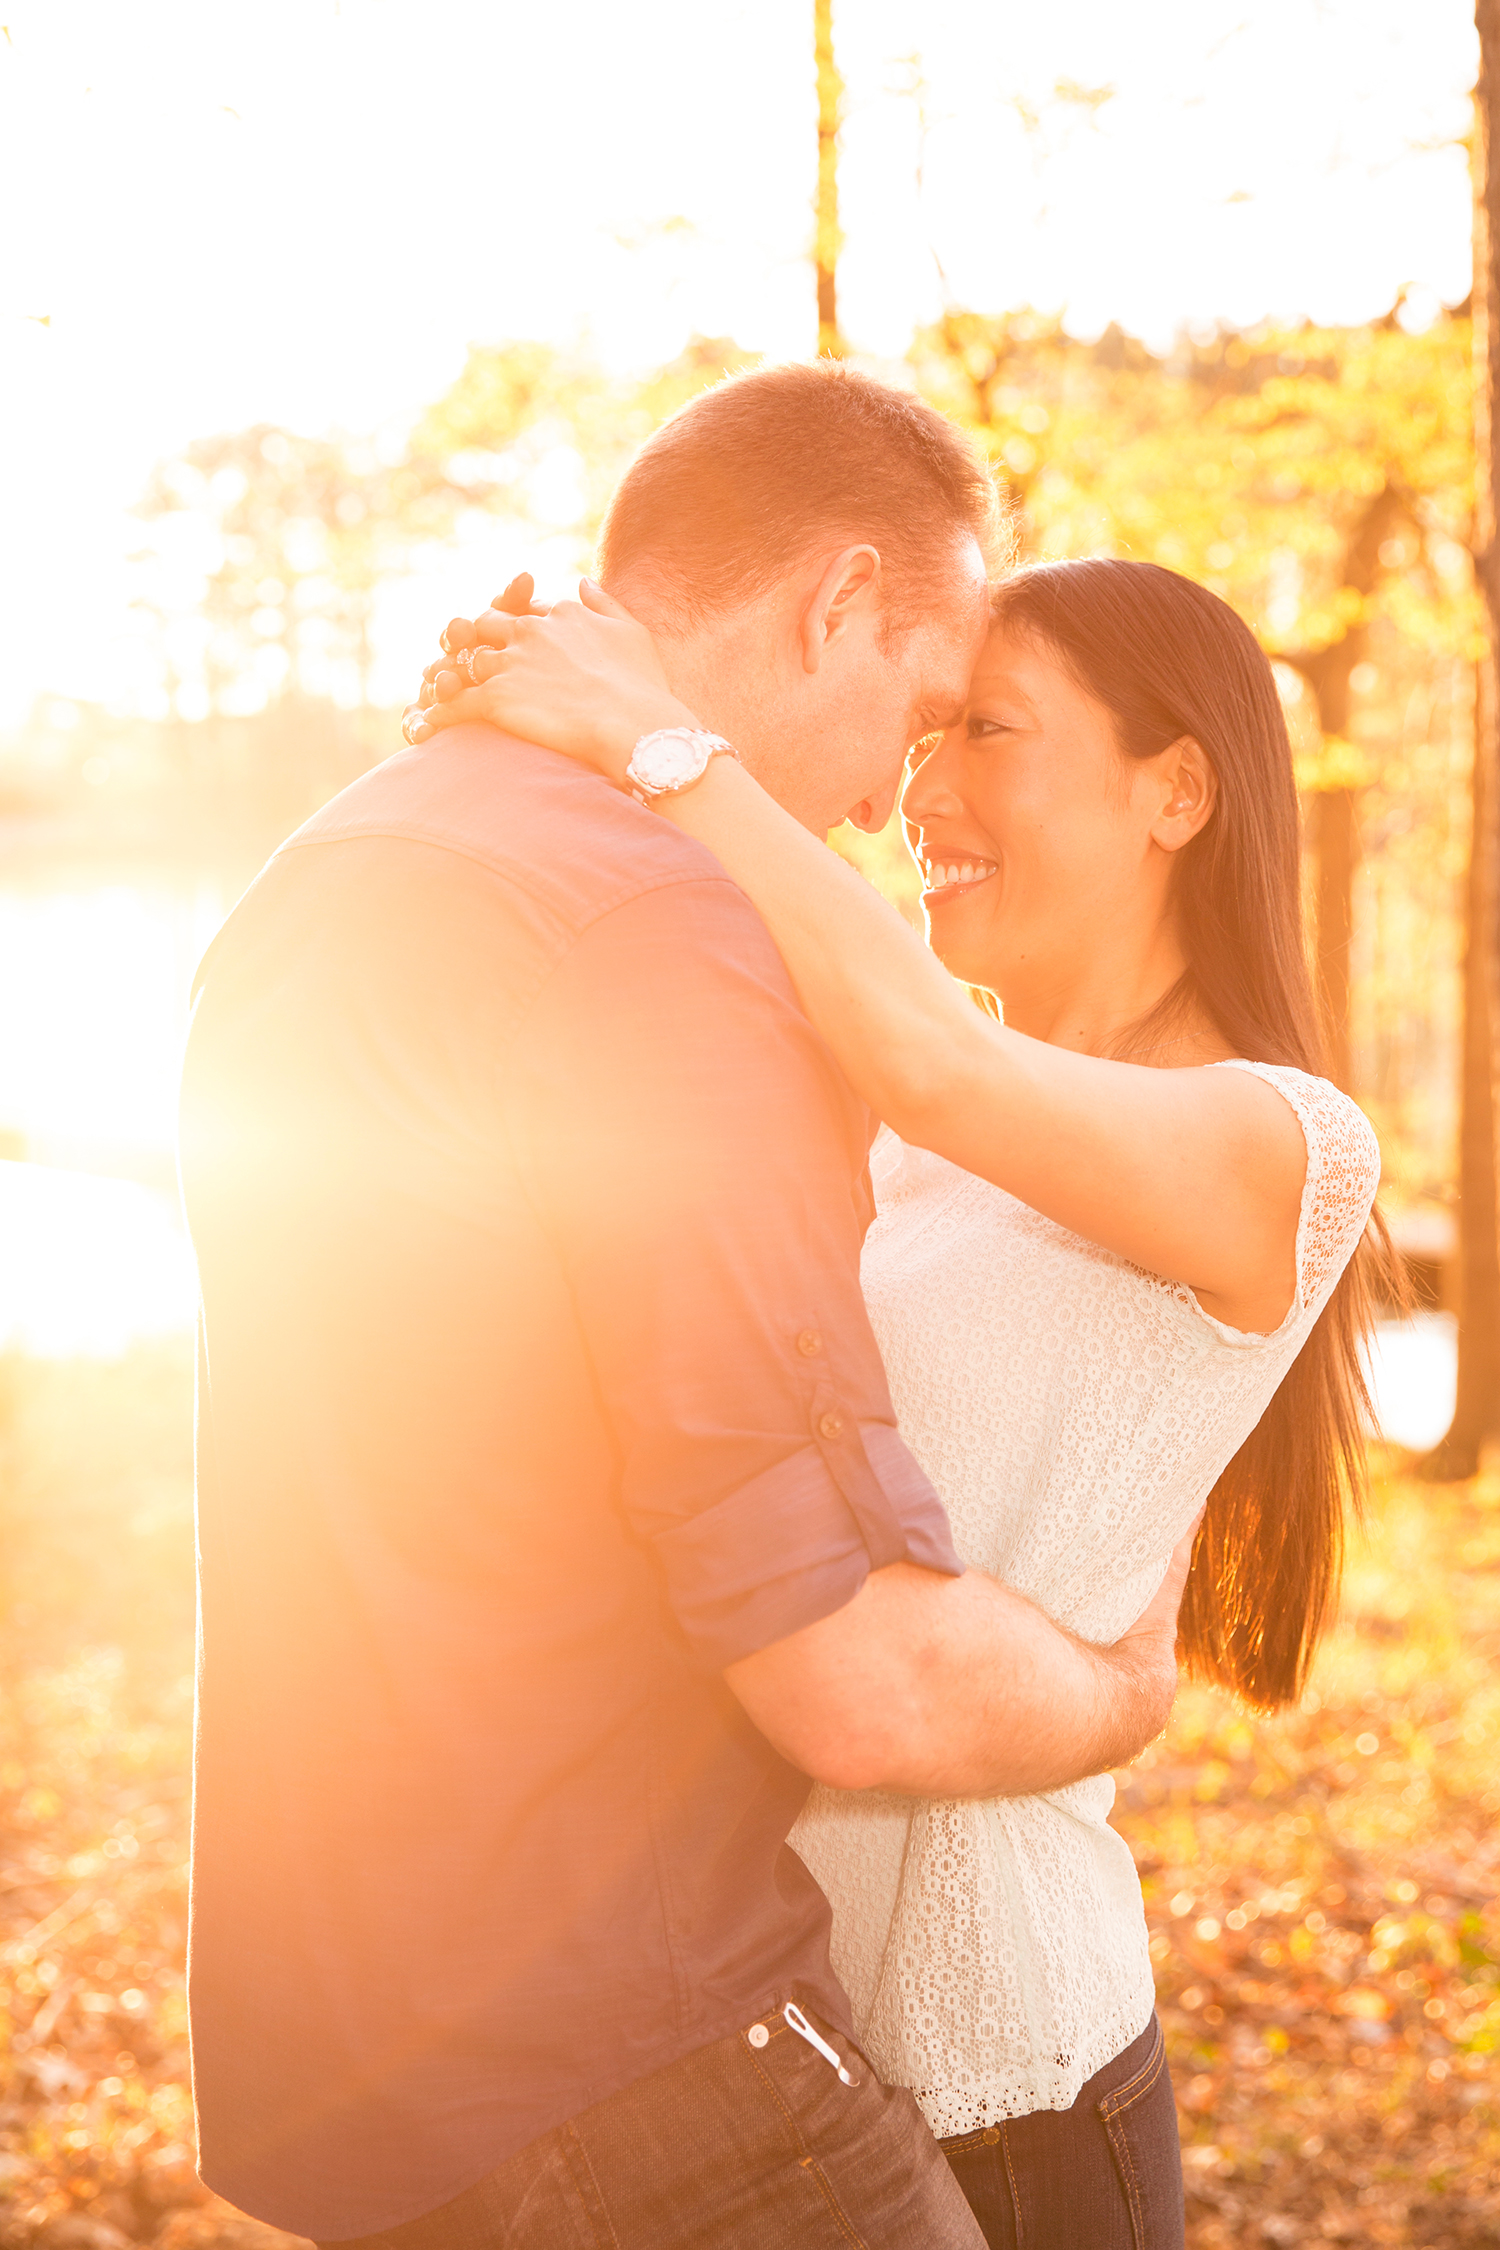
column 1169, row 659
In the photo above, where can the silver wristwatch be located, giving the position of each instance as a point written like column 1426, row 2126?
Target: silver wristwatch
column 672, row 759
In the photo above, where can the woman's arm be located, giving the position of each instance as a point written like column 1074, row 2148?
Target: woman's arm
column 1194, row 1174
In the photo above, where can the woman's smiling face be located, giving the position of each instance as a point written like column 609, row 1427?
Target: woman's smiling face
column 1031, row 829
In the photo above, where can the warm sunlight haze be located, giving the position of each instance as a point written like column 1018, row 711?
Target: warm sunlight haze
column 310, row 226
column 429, row 1307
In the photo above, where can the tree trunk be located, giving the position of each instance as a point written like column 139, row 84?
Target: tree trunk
column 1476, row 1416
column 828, row 241
column 1338, row 852
column 1476, row 1419
column 1336, row 825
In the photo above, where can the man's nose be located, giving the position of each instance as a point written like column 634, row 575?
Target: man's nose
column 872, row 813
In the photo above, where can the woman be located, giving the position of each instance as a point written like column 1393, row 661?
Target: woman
column 1110, row 1276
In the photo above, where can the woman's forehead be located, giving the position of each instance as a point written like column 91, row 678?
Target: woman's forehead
column 1013, row 658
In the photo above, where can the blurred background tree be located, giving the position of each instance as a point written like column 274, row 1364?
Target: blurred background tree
column 301, row 533
column 1320, row 478
column 1320, row 1888
column 828, row 238
column 1476, row 1418
column 541, row 436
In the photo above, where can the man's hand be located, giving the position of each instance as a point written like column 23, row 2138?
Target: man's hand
column 961, row 1687
column 1145, row 1657
column 1152, row 1639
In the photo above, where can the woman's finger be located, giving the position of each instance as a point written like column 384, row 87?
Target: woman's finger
column 420, row 726
column 448, row 678
column 457, row 634
column 420, row 721
column 473, row 666
column 595, row 598
column 519, row 598
column 443, row 688
column 495, row 627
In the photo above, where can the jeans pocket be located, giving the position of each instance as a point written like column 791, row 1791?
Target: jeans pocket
column 1140, row 2119
column 959, row 2144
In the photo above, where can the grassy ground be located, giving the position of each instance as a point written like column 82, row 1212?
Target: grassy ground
column 1322, row 1888
column 1324, row 1896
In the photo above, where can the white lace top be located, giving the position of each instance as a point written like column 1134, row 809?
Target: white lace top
column 1074, row 1412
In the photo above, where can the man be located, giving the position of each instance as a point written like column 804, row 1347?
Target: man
column 553, row 1523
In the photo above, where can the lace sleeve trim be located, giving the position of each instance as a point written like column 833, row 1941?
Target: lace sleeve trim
column 1343, row 1173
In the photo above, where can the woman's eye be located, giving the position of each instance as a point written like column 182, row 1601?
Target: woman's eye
column 978, row 728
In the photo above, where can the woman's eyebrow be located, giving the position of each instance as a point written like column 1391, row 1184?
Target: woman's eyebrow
column 937, row 719
column 993, row 691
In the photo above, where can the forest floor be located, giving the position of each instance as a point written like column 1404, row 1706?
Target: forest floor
column 1323, row 1889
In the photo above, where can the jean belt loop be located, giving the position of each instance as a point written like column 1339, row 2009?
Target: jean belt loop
column 804, row 2030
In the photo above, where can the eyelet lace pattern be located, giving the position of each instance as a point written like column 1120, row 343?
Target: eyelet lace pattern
column 1074, row 1412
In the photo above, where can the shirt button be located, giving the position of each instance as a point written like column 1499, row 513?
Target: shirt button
column 831, row 1425
column 758, row 2035
column 809, row 1343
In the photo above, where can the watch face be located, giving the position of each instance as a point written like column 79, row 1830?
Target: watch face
column 668, row 760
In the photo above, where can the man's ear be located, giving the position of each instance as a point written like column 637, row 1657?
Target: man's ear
column 848, row 588
column 1190, row 790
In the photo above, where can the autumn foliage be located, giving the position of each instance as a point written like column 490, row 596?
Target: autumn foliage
column 1322, row 1887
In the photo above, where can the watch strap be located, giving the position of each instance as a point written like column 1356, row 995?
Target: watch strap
column 712, row 746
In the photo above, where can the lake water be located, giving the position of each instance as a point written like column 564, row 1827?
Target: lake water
column 93, row 1012
column 98, row 965
column 89, row 1265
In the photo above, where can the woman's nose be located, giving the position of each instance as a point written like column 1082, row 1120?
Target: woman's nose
column 931, row 792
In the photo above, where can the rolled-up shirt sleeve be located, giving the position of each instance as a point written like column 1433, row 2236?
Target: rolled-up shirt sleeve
column 699, row 1164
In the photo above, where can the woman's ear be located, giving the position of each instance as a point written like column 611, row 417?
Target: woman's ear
column 1190, row 789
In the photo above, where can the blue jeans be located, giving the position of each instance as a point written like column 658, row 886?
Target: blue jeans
column 1105, row 2174
column 750, row 2144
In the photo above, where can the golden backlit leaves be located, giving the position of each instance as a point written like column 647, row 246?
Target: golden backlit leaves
column 828, row 235
column 1320, row 480
column 1244, row 461
column 1323, row 1891
column 1321, row 1888
column 303, row 531
column 542, row 435
column 1334, row 763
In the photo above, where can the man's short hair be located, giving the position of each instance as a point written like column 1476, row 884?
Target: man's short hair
column 750, row 477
